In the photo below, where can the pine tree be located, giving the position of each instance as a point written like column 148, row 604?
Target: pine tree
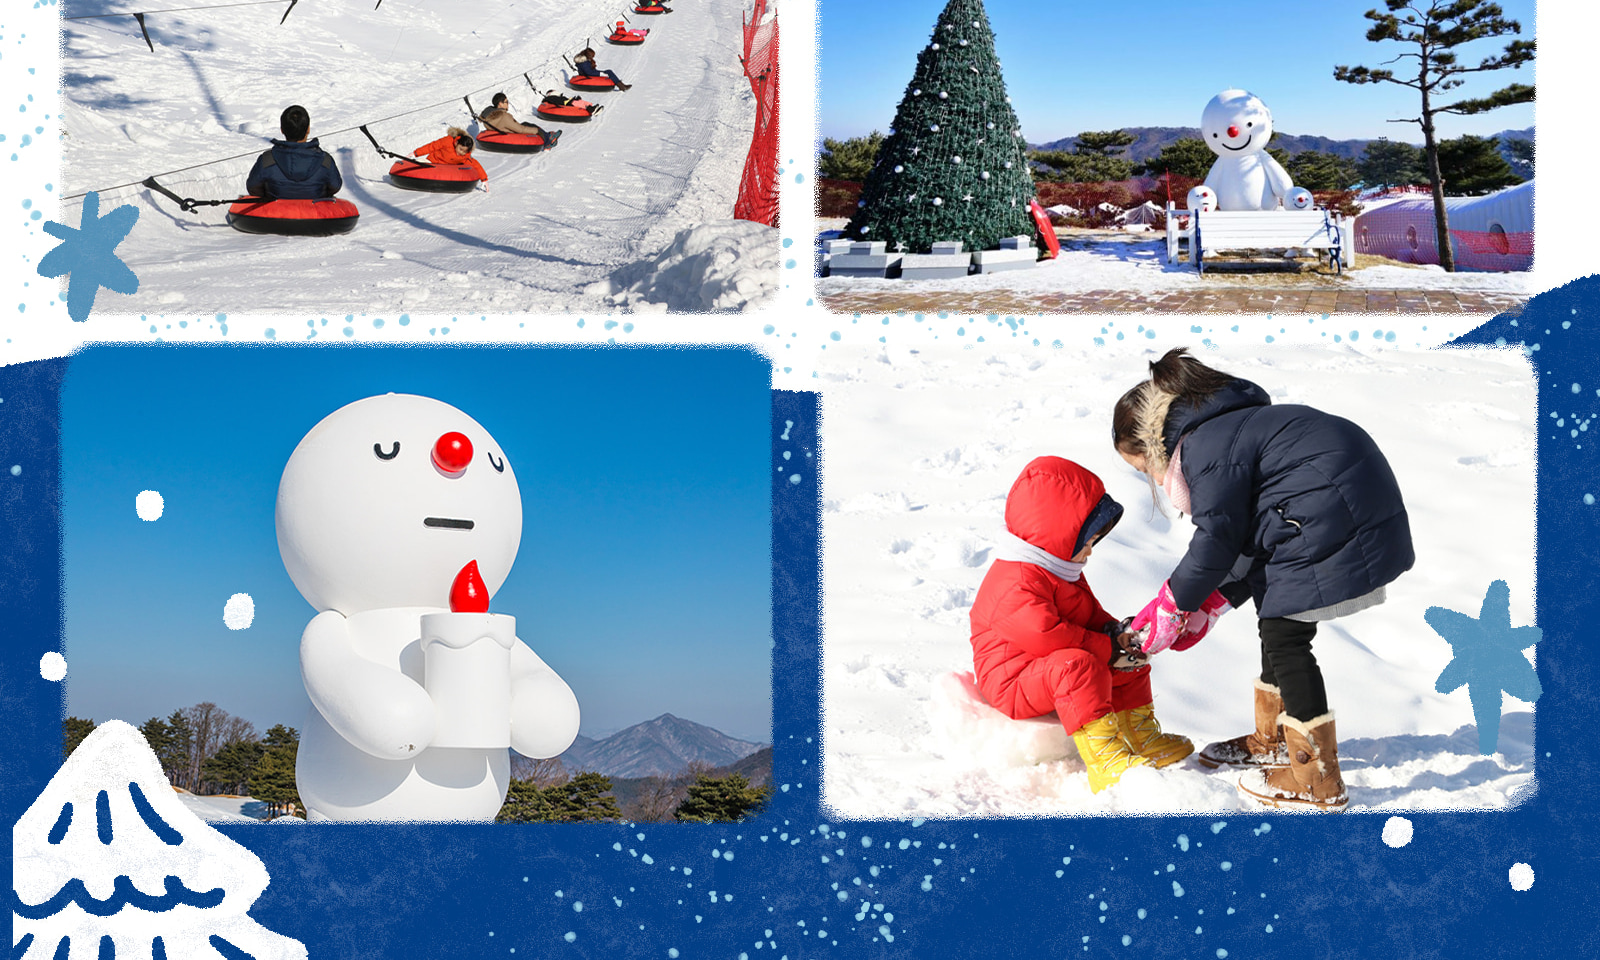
column 721, row 799
column 954, row 166
column 273, row 781
column 1391, row 163
column 1435, row 28
column 1473, row 165
column 73, row 730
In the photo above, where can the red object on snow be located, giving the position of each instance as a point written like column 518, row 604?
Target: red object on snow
column 469, row 594
column 452, row 453
column 414, row 175
column 1037, row 644
column 496, row 142
column 1047, row 230
column 296, row 218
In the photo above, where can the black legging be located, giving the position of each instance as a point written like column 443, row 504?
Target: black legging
column 1288, row 664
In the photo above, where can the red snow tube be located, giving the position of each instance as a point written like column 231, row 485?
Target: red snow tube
column 579, row 111
column 651, row 8
column 445, row 178
column 497, row 142
column 294, row 218
column 628, row 38
column 591, row 83
column 1047, row 230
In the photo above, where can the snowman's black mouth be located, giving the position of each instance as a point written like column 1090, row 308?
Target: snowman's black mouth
column 448, row 523
column 1242, row 145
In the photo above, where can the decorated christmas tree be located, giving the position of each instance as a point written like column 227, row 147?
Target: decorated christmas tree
column 955, row 164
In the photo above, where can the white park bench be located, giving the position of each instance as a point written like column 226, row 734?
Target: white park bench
column 1206, row 233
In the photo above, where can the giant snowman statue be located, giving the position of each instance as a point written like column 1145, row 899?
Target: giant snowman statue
column 1236, row 126
column 390, row 512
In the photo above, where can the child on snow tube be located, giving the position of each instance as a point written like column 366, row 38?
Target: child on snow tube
column 1294, row 508
column 452, row 149
column 586, row 65
column 1041, row 642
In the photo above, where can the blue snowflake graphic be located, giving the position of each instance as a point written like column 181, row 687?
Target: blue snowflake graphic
column 86, row 253
column 1488, row 659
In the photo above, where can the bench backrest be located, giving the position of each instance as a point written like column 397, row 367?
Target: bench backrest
column 1263, row 228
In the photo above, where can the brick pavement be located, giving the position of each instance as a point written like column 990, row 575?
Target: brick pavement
column 1224, row 300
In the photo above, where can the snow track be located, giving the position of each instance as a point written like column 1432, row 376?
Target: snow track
column 548, row 236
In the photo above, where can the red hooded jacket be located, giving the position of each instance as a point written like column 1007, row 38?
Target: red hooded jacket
column 443, row 151
column 1038, row 641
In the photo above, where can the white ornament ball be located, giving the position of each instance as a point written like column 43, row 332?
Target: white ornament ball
column 1008, row 164
column 937, row 202
column 955, row 159
column 963, row 43
column 936, row 46
column 916, row 93
column 991, row 124
column 899, row 169
column 864, row 229
column 974, row 23
column 1008, row 99
column 861, row 203
column 934, row 128
column 943, row 95
column 1300, row 198
column 985, row 174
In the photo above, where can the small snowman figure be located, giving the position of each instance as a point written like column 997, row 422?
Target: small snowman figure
column 384, row 510
column 1236, row 126
column 1202, row 198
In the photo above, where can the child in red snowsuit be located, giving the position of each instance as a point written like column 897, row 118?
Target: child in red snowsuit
column 452, row 149
column 1041, row 642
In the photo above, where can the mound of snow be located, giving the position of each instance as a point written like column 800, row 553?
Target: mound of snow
column 718, row 267
column 971, row 733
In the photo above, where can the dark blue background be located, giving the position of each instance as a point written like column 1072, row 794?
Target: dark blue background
column 791, row 884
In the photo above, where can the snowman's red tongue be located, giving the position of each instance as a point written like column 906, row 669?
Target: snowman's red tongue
column 469, row 594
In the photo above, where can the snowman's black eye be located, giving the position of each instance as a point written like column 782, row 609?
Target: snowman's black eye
column 1215, row 135
column 377, row 448
column 498, row 467
column 1251, row 124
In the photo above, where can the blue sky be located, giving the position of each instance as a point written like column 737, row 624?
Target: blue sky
column 1095, row 66
column 643, row 576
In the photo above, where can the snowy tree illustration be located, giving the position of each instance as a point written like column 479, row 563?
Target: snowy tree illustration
column 955, row 164
column 109, row 863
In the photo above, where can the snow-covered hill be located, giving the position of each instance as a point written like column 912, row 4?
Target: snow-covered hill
column 549, row 235
column 920, row 449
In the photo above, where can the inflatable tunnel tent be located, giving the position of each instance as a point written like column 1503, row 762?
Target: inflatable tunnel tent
column 1490, row 233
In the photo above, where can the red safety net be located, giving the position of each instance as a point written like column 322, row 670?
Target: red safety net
column 758, row 187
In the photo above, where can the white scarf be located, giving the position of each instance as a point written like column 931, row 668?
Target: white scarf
column 1013, row 547
column 1173, row 483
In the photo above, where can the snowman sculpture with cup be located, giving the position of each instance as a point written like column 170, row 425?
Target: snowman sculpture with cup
column 398, row 517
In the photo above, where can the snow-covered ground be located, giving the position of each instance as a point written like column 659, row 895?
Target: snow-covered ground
column 549, row 235
column 1106, row 260
column 920, row 447
column 222, row 809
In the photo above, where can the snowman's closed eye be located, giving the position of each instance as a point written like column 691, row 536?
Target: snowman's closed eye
column 377, row 448
column 498, row 467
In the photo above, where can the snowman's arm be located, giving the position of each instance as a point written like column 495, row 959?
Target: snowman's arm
column 1213, row 176
column 544, row 713
column 1277, row 177
column 380, row 711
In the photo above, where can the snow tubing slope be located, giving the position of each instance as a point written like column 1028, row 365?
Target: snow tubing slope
column 591, row 83
column 567, row 114
column 1047, row 230
column 497, row 142
column 294, row 218
column 411, row 175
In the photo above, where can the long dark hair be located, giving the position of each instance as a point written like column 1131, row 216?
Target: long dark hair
column 1182, row 379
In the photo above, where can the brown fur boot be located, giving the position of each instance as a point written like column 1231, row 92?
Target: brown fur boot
column 1311, row 781
column 1264, row 747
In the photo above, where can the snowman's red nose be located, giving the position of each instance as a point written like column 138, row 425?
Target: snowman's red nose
column 1233, row 132
column 452, row 453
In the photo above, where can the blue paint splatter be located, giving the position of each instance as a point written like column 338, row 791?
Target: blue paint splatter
column 1488, row 659
column 86, row 253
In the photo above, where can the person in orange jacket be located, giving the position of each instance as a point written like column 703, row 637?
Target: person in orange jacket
column 453, row 149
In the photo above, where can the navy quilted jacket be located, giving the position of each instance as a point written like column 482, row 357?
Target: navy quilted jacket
column 1298, row 503
column 294, row 171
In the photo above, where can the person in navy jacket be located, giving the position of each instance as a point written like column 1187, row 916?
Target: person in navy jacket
column 295, row 168
column 1294, row 508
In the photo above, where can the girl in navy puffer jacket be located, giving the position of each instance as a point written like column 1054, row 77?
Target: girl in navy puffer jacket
column 1296, row 509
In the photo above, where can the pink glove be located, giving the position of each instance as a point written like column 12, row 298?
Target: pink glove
column 1202, row 620
column 1164, row 620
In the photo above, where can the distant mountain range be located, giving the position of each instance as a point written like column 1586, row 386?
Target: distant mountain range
column 662, row 747
column 1149, row 141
